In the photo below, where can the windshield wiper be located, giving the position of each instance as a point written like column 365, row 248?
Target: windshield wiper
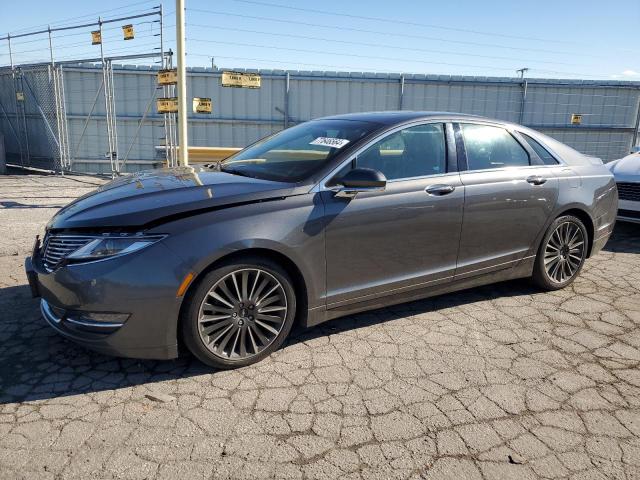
column 234, row 171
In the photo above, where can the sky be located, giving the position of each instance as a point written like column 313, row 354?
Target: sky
column 553, row 39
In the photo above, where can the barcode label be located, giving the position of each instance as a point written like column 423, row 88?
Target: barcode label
column 330, row 142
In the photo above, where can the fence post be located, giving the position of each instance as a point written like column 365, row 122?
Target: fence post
column 21, row 112
column 56, row 98
column 286, row 100
column 523, row 101
column 634, row 142
column 86, row 122
column 401, row 98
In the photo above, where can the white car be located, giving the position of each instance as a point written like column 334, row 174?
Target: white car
column 626, row 172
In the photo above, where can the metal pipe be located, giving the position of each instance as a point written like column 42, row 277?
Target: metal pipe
column 15, row 98
column 523, row 102
column 51, row 47
column 183, row 141
column 93, row 60
column 634, row 141
column 161, row 36
column 63, row 111
column 86, row 123
column 105, row 81
column 114, row 119
column 165, row 90
column 20, row 107
column 10, row 52
column 84, row 25
column 135, row 137
column 173, row 121
column 56, row 95
column 286, row 100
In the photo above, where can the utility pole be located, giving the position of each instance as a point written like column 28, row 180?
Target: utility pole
column 183, row 153
column 523, row 102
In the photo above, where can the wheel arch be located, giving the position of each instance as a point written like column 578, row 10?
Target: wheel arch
column 299, row 283
column 586, row 219
column 576, row 210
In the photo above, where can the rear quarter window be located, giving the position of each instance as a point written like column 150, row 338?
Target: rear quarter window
column 542, row 152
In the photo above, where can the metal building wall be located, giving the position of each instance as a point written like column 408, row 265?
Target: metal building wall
column 241, row 116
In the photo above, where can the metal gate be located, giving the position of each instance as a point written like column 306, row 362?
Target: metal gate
column 42, row 130
column 32, row 107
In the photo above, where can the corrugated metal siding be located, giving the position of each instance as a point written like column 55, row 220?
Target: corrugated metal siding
column 242, row 116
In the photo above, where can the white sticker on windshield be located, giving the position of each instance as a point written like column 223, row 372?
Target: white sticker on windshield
column 330, row 142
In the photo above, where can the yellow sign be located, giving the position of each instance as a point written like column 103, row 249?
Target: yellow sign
column 576, row 119
column 128, row 32
column 240, row 80
column 96, row 37
column 167, row 105
column 20, row 96
column 202, row 105
column 168, row 77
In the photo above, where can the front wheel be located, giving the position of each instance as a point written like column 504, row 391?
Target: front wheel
column 562, row 253
column 239, row 313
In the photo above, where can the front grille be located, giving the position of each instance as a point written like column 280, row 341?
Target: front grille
column 629, row 191
column 58, row 247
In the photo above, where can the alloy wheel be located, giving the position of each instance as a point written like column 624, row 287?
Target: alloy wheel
column 564, row 252
column 242, row 314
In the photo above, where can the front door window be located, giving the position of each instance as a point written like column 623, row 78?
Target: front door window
column 413, row 152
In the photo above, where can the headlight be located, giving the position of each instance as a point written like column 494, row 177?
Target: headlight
column 110, row 246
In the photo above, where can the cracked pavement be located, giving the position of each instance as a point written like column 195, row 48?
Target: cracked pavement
column 498, row 382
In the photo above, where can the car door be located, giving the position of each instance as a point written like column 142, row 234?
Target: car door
column 388, row 242
column 509, row 195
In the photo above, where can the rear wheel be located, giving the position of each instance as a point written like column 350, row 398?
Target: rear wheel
column 239, row 313
column 562, row 253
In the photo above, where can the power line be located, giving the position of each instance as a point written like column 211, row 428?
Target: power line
column 400, row 22
column 376, row 57
column 69, row 20
column 393, row 34
column 76, row 44
column 377, row 45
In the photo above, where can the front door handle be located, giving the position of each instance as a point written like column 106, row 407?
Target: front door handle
column 439, row 189
column 536, row 180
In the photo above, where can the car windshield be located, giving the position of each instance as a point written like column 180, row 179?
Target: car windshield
column 298, row 152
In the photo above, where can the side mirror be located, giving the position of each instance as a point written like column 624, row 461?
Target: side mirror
column 359, row 180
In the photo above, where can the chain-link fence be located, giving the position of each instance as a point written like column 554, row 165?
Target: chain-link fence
column 33, row 115
column 97, row 114
column 55, row 119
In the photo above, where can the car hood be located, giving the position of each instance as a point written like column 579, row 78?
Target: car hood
column 149, row 197
column 626, row 169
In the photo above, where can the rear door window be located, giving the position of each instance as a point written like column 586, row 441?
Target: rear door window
column 491, row 147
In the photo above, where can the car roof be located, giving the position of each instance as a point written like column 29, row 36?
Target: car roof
column 401, row 116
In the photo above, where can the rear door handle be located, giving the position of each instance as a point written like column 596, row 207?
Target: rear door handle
column 536, row 180
column 439, row 189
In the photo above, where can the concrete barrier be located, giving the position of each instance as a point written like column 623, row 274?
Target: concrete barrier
column 206, row 154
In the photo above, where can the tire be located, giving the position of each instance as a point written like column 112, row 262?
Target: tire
column 236, row 290
column 553, row 271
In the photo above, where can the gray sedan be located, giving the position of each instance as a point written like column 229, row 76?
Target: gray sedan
column 328, row 218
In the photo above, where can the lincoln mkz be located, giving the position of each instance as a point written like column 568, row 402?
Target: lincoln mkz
column 331, row 217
